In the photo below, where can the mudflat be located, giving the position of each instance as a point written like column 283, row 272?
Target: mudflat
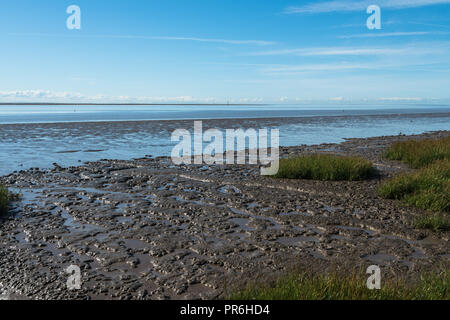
column 146, row 229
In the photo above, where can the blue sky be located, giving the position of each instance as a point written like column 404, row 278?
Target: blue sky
column 224, row 50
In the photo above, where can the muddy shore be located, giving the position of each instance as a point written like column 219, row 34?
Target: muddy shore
column 146, row 229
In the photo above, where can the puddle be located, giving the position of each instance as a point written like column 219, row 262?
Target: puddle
column 197, row 202
column 316, row 254
column 229, row 189
column 135, row 244
column 125, row 220
column 308, row 227
column 73, row 225
column 381, row 258
column 242, row 224
column 179, row 199
column 295, row 213
column 296, row 241
column 417, row 254
column 122, row 206
column 169, row 186
column 22, row 238
column 238, row 211
column 275, row 224
column 252, row 205
column 347, row 228
column 329, row 208
column 28, row 196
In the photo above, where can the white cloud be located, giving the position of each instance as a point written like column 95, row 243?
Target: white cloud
column 348, row 6
column 171, row 38
column 410, row 54
column 69, row 97
column 40, row 94
column 253, row 42
column 335, row 67
column 400, row 99
column 179, row 99
column 392, row 34
column 337, row 99
column 334, row 51
column 295, row 69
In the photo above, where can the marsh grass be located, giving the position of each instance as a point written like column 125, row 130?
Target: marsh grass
column 6, row 197
column 428, row 189
column 326, row 167
column 419, row 153
column 435, row 222
column 306, row 286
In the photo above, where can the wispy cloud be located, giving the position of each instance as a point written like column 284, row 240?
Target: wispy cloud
column 138, row 37
column 400, row 99
column 253, row 42
column 171, row 38
column 296, row 69
column 68, row 97
column 40, row 94
column 430, row 24
column 393, row 34
column 333, row 51
column 348, row 6
column 337, row 67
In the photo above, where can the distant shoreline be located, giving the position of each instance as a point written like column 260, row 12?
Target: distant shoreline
column 231, row 120
column 130, row 104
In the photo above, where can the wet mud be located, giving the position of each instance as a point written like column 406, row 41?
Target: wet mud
column 147, row 229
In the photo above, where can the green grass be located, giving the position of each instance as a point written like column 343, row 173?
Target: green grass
column 306, row 286
column 420, row 153
column 427, row 188
column 6, row 197
column 325, row 167
column 434, row 222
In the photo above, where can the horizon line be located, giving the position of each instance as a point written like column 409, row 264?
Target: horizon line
column 126, row 104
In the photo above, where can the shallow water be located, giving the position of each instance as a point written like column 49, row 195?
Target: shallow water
column 39, row 136
column 10, row 114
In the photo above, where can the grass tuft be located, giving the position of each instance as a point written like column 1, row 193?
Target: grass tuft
column 435, row 222
column 6, row 197
column 428, row 189
column 420, row 153
column 325, row 167
column 306, row 286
